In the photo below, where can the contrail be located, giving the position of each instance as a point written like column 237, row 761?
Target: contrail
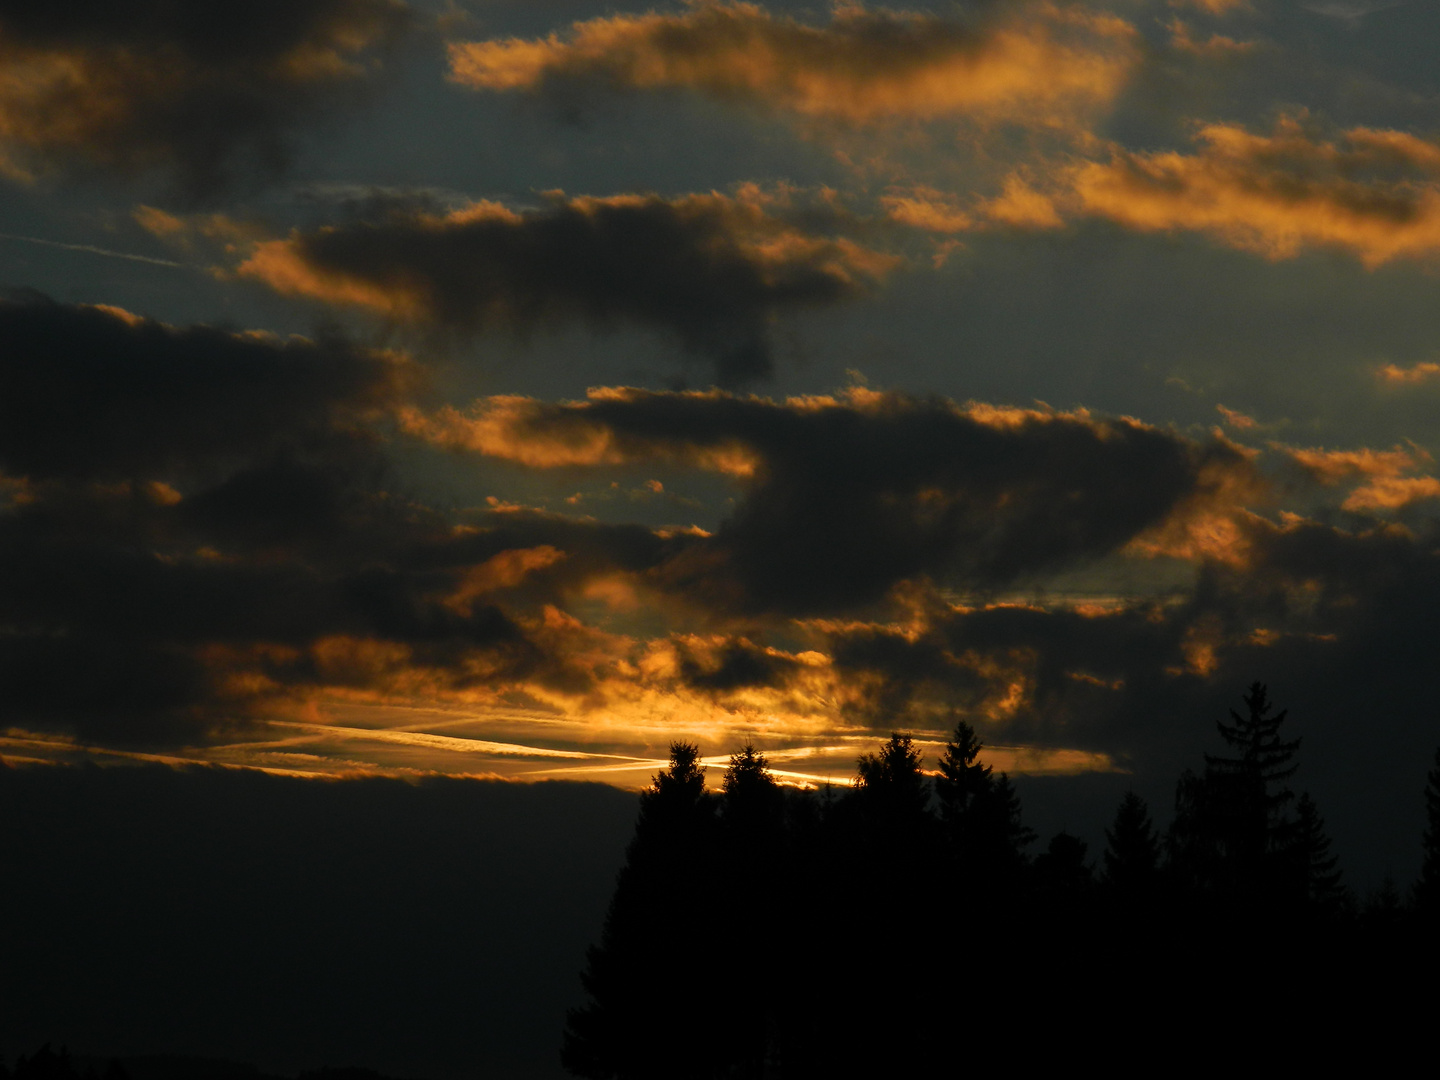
column 93, row 250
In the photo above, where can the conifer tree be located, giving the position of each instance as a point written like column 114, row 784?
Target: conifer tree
column 753, row 896
column 752, row 801
column 643, row 978
column 1427, row 888
column 1061, row 870
column 890, row 782
column 1132, row 849
column 1316, row 877
column 1246, row 798
column 980, row 812
column 1192, row 849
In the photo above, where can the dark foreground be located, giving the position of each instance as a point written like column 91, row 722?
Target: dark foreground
column 429, row 930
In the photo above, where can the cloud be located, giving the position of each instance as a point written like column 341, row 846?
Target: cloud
column 1385, row 487
column 209, row 571
column 99, row 393
column 1418, row 373
column 1333, row 618
column 1020, row 206
column 1034, row 65
column 713, row 270
column 207, row 92
column 1238, row 420
column 846, row 496
column 883, row 564
column 1372, row 193
column 1215, row 47
column 1218, row 8
column 133, row 620
column 153, row 598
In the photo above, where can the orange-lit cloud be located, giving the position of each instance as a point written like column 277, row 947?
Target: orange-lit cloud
column 129, row 86
column 861, row 67
column 712, row 269
column 1419, row 373
column 1392, row 493
column 1215, row 7
column 927, row 209
column 1211, row 524
column 1370, row 192
column 1021, row 206
column 546, row 436
column 1385, row 486
column 1237, row 420
column 1215, row 47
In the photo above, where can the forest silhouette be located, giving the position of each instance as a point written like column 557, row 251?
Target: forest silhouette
column 902, row 925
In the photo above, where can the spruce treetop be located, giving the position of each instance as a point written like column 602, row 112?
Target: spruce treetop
column 1263, row 755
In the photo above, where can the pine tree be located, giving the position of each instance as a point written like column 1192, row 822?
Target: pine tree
column 1246, row 798
column 751, row 800
column 1427, row 888
column 890, row 783
column 1191, row 845
column 752, row 893
column 643, row 979
column 1316, row 878
column 1132, row 850
column 1061, row 872
column 963, row 778
column 981, row 814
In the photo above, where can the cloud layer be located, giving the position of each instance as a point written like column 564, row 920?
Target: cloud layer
column 711, row 270
column 1034, row 65
column 1369, row 192
column 207, row 92
column 845, row 497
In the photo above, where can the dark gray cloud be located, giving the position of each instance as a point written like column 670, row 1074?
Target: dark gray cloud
column 190, row 511
column 711, row 270
column 738, row 663
column 207, row 92
column 131, row 620
column 843, row 498
column 97, row 393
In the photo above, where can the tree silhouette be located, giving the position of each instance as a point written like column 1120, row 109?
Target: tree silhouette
column 981, row 815
column 643, row 979
column 744, row 868
column 1427, row 888
column 1250, row 787
column 752, row 888
column 890, row 782
column 1061, row 871
column 1316, row 879
column 1132, row 849
column 752, row 802
column 1231, row 834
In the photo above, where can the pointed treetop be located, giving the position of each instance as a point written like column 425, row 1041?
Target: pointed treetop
column 1256, row 738
column 961, row 762
column 1132, row 850
column 685, row 775
column 891, row 779
column 748, row 769
column 896, row 763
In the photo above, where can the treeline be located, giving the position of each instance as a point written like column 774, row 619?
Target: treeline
column 48, row 1064
column 903, row 925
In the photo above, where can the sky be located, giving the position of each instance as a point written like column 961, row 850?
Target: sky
column 508, row 389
